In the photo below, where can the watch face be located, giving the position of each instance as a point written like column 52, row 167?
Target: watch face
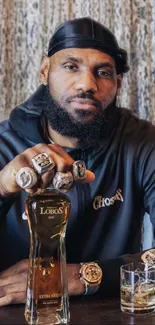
column 92, row 272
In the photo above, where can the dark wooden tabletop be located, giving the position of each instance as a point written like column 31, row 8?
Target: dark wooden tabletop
column 83, row 311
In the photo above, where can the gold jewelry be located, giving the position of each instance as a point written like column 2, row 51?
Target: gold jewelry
column 91, row 275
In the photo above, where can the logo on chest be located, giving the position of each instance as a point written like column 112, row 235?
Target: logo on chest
column 101, row 202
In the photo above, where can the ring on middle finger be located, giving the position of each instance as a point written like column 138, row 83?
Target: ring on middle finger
column 42, row 163
column 62, row 181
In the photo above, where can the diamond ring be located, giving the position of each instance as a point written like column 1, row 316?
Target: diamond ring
column 62, row 181
column 42, row 163
column 26, row 178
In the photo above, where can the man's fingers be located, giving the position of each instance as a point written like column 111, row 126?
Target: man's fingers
column 60, row 157
column 14, row 278
column 61, row 152
column 12, row 288
column 13, row 283
column 13, row 298
column 46, row 179
column 18, row 267
column 90, row 177
column 34, row 178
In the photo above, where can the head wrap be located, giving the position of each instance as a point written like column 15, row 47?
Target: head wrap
column 88, row 33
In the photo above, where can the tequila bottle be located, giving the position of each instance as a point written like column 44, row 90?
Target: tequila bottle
column 47, row 285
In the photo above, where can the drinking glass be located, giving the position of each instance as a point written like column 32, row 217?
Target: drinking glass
column 137, row 288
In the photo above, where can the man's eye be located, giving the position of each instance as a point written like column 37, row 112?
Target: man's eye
column 103, row 73
column 70, row 67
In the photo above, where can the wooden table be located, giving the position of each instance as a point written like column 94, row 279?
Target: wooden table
column 84, row 311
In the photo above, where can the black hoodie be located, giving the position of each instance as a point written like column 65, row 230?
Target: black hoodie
column 106, row 215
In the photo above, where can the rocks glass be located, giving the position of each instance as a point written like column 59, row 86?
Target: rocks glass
column 137, row 288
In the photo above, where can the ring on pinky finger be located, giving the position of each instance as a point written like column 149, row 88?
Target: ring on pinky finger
column 79, row 170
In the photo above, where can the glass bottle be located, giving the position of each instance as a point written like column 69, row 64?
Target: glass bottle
column 47, row 286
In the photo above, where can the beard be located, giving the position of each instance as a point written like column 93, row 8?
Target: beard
column 88, row 131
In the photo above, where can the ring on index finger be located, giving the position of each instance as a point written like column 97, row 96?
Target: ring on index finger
column 79, row 170
column 26, row 178
column 42, row 163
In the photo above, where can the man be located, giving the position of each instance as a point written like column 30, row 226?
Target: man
column 73, row 118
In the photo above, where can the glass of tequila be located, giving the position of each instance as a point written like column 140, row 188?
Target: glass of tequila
column 137, row 288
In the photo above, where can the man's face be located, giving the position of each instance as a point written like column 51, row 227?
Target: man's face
column 82, row 83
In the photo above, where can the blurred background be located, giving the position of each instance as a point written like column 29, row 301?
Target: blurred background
column 27, row 25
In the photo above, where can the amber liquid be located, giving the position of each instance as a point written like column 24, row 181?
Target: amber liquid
column 141, row 301
column 47, row 292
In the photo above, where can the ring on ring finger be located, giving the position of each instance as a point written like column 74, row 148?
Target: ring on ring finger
column 62, row 181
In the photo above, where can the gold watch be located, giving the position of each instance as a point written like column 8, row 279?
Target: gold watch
column 91, row 275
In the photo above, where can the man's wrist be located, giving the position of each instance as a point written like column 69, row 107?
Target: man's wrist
column 75, row 286
column 91, row 276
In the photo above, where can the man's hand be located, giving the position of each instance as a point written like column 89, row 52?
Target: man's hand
column 13, row 283
column 63, row 163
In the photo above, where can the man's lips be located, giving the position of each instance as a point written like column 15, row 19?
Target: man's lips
column 83, row 103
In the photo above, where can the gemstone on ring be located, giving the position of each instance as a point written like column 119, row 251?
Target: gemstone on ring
column 42, row 163
column 26, row 178
column 62, row 181
column 79, row 170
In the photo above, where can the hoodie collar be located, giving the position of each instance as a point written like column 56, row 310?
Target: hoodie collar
column 25, row 118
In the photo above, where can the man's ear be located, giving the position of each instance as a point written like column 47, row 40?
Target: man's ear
column 119, row 82
column 44, row 69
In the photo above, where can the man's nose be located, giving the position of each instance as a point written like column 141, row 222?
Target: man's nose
column 86, row 82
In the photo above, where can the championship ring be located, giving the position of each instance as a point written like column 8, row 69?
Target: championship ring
column 26, row 178
column 79, row 170
column 62, row 181
column 42, row 163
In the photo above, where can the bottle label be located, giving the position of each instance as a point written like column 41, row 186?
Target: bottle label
column 51, row 216
column 48, row 296
column 51, row 210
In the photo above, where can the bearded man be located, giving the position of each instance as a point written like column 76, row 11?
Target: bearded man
column 74, row 120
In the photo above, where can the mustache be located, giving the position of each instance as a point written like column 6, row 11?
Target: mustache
column 84, row 95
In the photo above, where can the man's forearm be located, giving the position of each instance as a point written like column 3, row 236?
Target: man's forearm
column 110, row 284
column 75, row 286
